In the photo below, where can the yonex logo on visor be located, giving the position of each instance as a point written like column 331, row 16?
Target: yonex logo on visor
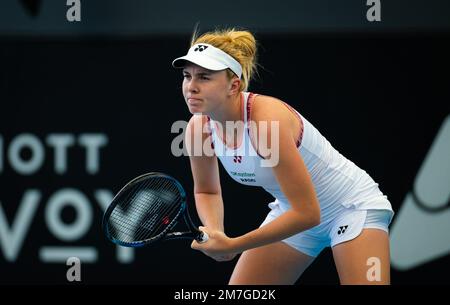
column 200, row 48
column 209, row 57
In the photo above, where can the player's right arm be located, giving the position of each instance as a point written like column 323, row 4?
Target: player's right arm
column 205, row 172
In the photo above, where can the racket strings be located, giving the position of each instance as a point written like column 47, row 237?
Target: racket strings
column 138, row 210
column 141, row 223
column 146, row 210
column 159, row 214
column 169, row 201
column 128, row 224
column 120, row 217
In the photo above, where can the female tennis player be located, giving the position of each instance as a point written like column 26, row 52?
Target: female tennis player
column 322, row 199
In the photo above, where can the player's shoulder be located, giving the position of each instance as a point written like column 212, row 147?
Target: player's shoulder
column 265, row 107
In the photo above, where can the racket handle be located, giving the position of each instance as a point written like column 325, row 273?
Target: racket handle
column 202, row 237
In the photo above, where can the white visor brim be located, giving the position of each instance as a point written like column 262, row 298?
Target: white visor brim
column 209, row 57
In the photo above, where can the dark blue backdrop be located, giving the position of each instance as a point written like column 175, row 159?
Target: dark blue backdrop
column 379, row 98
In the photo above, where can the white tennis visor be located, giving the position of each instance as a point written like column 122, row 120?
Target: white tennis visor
column 209, row 57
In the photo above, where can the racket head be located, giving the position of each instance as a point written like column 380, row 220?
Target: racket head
column 144, row 210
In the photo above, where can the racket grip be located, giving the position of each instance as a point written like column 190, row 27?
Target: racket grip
column 202, row 237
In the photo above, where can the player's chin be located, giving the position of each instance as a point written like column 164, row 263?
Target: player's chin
column 224, row 258
column 195, row 109
column 195, row 106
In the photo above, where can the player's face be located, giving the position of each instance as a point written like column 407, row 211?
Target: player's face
column 204, row 90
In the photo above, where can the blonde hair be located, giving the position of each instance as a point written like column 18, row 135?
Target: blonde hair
column 240, row 44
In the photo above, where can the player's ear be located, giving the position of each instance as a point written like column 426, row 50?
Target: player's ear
column 235, row 85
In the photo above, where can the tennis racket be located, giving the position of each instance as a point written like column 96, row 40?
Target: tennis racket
column 146, row 211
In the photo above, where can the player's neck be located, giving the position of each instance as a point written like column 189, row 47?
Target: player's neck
column 231, row 110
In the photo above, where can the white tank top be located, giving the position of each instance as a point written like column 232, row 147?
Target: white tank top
column 338, row 181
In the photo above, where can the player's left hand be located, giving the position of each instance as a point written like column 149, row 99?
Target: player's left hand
column 219, row 246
